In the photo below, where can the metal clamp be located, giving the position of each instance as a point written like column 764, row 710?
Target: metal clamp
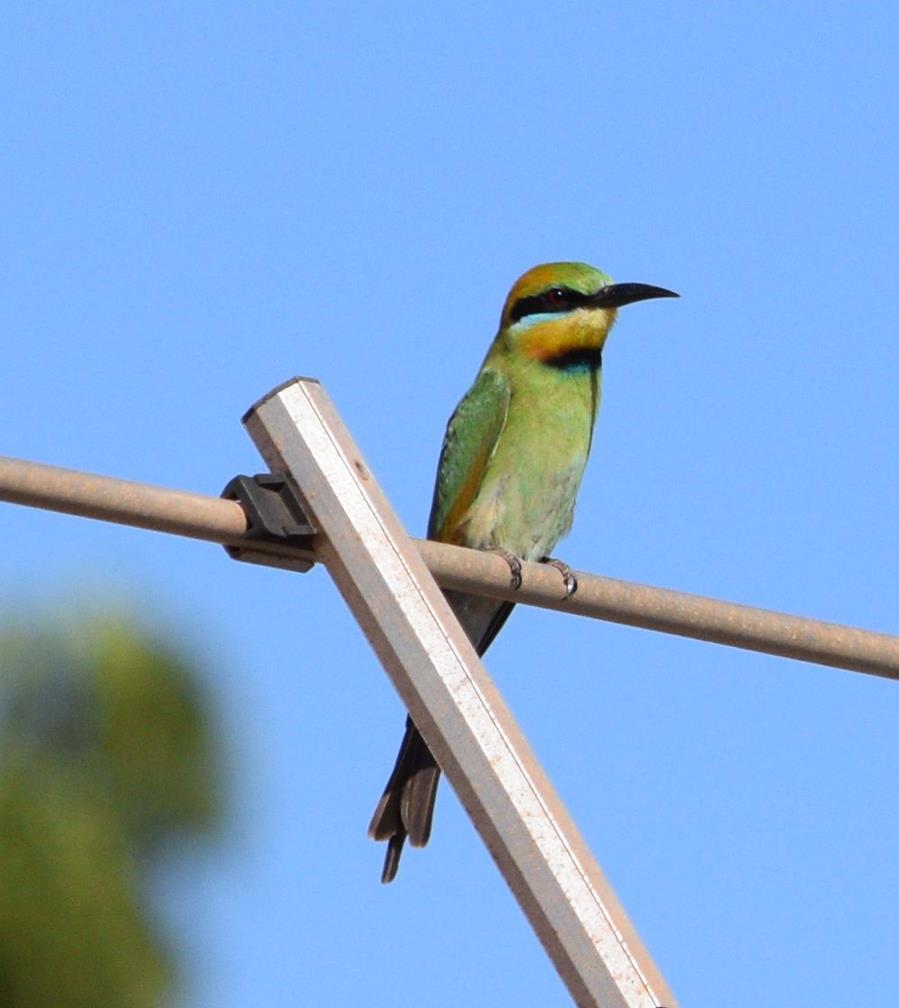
column 275, row 517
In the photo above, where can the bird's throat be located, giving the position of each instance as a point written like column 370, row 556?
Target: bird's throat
column 570, row 343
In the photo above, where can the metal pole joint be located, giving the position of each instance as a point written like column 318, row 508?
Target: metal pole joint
column 275, row 516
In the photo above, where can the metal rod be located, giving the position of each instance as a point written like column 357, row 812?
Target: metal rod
column 669, row 611
column 115, row 500
column 436, row 671
column 221, row 521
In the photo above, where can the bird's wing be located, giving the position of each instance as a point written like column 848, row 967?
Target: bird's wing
column 406, row 808
column 468, row 446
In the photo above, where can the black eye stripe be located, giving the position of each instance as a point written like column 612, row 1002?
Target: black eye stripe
column 557, row 299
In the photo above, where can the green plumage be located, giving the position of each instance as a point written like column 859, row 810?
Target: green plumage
column 530, row 425
column 509, row 472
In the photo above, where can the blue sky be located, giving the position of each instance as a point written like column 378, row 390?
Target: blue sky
column 201, row 200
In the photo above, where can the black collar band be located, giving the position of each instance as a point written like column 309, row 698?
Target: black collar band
column 579, row 359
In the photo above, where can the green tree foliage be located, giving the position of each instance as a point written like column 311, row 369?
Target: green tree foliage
column 106, row 759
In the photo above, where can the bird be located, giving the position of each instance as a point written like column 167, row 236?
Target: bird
column 510, row 467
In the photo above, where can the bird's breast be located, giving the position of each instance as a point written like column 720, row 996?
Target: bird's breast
column 526, row 501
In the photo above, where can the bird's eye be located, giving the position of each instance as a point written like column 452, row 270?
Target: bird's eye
column 556, row 299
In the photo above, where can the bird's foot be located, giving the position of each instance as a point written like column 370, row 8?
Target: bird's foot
column 568, row 575
column 514, row 563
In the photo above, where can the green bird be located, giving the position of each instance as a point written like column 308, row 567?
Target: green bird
column 509, row 471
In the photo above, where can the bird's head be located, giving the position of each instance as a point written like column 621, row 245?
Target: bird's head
column 561, row 312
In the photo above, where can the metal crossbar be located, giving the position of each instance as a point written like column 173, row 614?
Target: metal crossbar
column 213, row 519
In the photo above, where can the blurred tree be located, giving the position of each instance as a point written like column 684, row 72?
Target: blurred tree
column 106, row 758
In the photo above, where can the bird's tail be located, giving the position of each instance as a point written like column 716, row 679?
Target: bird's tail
column 406, row 808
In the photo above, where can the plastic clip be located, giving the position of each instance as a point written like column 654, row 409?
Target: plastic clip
column 274, row 515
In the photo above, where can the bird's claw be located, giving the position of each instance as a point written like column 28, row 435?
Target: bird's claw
column 568, row 575
column 514, row 563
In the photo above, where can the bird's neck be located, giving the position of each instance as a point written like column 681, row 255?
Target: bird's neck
column 572, row 341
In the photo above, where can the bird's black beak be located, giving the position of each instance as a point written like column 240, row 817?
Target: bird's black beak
column 616, row 295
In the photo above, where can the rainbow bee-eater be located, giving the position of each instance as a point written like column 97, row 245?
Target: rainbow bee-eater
column 509, row 472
